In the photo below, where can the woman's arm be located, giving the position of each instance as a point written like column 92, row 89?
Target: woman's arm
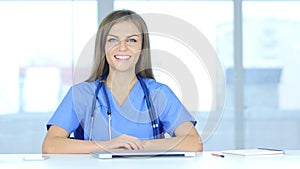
column 186, row 138
column 57, row 142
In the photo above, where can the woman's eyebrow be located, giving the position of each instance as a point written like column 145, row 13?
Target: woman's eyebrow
column 112, row 35
column 132, row 36
column 126, row 36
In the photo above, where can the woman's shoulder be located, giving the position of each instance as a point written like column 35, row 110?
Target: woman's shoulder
column 84, row 87
column 155, row 85
column 84, row 84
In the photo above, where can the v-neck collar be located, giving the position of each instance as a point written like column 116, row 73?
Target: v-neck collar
column 135, row 93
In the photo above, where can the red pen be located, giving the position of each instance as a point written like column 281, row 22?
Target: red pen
column 217, row 155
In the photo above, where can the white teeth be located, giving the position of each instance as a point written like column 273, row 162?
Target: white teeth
column 122, row 57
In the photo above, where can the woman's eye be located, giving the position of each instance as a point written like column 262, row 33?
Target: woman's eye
column 131, row 40
column 112, row 40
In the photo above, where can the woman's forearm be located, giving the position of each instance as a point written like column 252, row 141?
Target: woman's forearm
column 189, row 143
column 69, row 146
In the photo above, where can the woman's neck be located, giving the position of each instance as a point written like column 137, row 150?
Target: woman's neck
column 120, row 85
column 119, row 81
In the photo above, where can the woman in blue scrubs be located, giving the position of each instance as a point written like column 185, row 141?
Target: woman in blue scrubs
column 111, row 110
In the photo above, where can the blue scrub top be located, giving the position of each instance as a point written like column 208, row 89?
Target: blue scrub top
column 131, row 118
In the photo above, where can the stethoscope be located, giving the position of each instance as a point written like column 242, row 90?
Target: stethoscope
column 153, row 117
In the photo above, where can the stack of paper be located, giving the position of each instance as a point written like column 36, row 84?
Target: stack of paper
column 254, row 152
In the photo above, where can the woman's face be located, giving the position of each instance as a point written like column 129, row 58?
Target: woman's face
column 123, row 46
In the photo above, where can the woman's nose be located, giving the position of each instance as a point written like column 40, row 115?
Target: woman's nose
column 122, row 45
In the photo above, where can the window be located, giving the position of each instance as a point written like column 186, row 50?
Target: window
column 40, row 42
column 271, row 89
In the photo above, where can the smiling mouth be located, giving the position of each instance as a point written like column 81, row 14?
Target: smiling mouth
column 122, row 57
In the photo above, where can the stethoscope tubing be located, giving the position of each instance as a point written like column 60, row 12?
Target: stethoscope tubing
column 152, row 113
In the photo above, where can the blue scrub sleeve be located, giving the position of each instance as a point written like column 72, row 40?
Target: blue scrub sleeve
column 172, row 112
column 65, row 115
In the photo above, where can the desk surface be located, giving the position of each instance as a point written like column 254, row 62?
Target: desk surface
column 290, row 160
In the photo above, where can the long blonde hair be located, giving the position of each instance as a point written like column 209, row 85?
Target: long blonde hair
column 100, row 66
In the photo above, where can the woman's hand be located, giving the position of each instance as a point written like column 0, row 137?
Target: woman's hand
column 186, row 138
column 125, row 142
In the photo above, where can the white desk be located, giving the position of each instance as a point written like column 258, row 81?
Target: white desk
column 291, row 160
